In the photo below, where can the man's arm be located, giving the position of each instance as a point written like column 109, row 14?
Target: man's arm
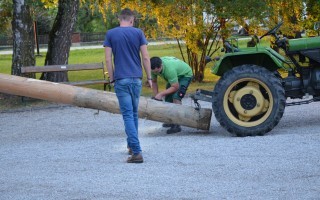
column 108, row 56
column 174, row 87
column 146, row 63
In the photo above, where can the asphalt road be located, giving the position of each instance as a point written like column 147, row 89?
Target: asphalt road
column 65, row 152
column 88, row 46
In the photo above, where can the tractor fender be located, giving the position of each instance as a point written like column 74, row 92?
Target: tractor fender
column 267, row 58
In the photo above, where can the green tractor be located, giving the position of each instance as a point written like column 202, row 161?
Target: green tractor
column 256, row 83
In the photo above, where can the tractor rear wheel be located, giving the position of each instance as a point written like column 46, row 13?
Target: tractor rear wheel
column 248, row 100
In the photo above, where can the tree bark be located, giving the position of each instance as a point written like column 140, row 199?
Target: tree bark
column 23, row 38
column 60, row 39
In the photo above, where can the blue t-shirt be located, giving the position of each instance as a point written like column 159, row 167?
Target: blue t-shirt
column 125, row 43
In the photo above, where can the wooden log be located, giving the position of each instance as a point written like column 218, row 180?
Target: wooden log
column 106, row 101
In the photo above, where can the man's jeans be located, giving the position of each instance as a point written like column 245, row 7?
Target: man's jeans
column 128, row 92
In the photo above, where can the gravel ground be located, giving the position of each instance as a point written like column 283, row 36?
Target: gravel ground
column 65, row 152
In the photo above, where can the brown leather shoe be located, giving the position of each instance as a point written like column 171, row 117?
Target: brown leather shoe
column 135, row 158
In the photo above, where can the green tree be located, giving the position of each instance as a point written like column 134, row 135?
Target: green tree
column 312, row 15
column 202, row 23
column 90, row 20
column 247, row 13
column 5, row 17
column 288, row 11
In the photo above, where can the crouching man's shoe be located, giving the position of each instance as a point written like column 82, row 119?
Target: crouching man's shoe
column 135, row 158
column 165, row 125
column 174, row 129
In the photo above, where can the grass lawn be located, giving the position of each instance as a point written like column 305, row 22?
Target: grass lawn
column 97, row 55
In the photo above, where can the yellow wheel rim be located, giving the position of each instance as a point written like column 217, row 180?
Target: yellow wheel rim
column 248, row 102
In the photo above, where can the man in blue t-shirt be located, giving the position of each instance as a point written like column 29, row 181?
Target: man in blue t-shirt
column 124, row 44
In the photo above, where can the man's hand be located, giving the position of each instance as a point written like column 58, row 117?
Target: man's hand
column 111, row 82
column 156, row 99
column 150, row 83
column 158, row 96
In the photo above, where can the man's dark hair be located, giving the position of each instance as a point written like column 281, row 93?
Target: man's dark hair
column 126, row 14
column 156, row 62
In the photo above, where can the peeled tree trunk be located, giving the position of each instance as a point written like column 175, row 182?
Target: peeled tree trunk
column 23, row 37
column 107, row 101
column 60, row 39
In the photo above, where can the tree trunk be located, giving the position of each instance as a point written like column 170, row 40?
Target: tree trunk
column 60, row 38
column 23, row 38
column 196, row 65
column 107, row 101
column 223, row 29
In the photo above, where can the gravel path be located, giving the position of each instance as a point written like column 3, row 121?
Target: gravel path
column 65, row 152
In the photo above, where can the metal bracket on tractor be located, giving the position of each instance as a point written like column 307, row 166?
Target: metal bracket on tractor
column 314, row 99
column 202, row 95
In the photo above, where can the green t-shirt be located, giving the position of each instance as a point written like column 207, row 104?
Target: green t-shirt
column 173, row 69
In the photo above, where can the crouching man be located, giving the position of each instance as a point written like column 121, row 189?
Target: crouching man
column 178, row 76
